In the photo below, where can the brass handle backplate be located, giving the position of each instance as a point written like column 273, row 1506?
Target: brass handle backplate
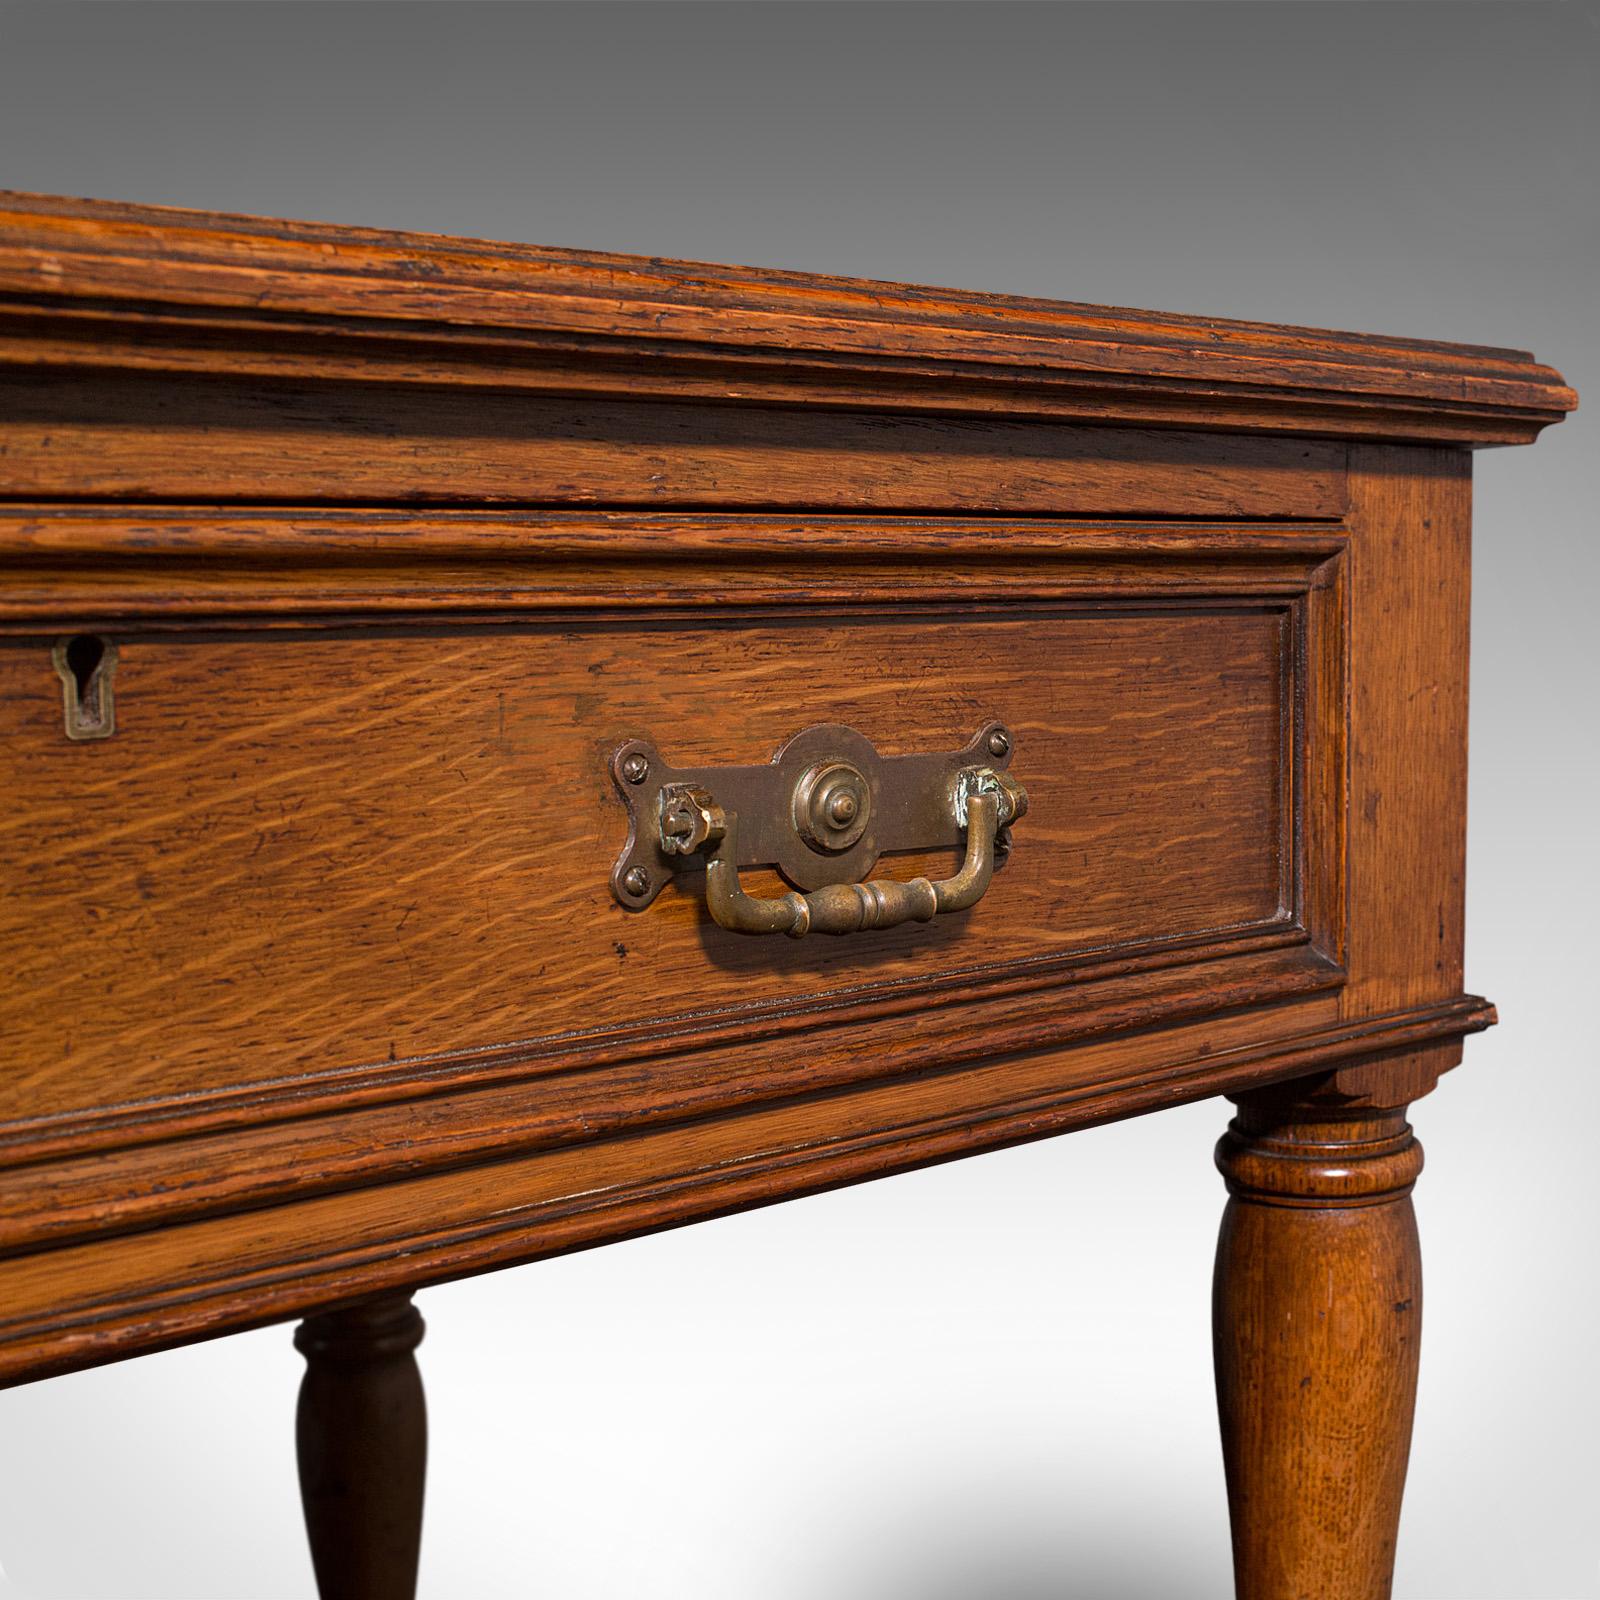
column 821, row 812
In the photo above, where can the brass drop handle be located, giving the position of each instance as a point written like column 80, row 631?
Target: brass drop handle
column 692, row 822
column 848, row 907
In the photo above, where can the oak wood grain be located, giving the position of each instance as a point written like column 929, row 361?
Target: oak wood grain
column 306, row 854
column 91, row 283
column 164, row 438
column 102, row 1299
column 1318, row 1310
column 70, row 567
column 1411, row 555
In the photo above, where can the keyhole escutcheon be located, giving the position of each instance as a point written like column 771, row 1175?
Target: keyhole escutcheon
column 85, row 663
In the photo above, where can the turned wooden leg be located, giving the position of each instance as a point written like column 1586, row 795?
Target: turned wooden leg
column 1317, row 1316
column 361, row 1432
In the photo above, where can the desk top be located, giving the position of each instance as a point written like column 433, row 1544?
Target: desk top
column 205, row 292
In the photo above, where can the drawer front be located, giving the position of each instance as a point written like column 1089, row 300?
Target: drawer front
column 313, row 863
column 303, row 853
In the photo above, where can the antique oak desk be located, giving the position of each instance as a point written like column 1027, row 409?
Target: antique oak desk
column 451, row 693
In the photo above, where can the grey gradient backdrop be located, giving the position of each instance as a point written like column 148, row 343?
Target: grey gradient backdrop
column 992, row 1379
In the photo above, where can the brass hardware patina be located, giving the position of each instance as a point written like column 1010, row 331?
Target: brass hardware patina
column 821, row 812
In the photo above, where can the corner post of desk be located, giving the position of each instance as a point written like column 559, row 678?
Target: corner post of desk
column 1317, row 1314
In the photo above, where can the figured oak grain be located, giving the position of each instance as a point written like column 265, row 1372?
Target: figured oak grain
column 305, row 853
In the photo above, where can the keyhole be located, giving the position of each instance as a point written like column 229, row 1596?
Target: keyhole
column 85, row 652
column 85, row 662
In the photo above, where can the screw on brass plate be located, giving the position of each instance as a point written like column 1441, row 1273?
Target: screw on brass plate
column 85, row 663
column 636, row 881
column 636, row 768
column 999, row 742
